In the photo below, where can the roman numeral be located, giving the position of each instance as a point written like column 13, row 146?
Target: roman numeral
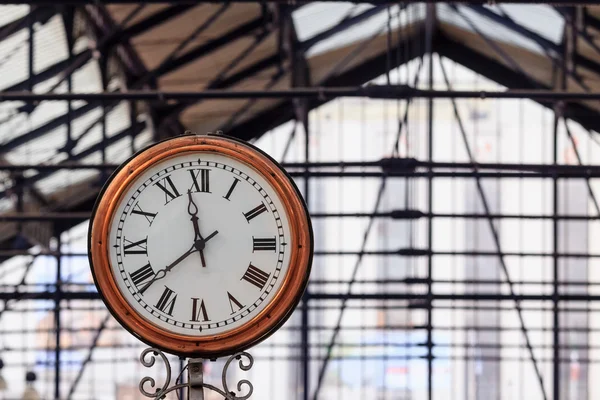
column 234, row 301
column 167, row 301
column 148, row 215
column 264, row 244
column 197, row 310
column 139, row 247
column 170, row 192
column 142, row 275
column 256, row 276
column 255, row 212
column 231, row 188
column 204, row 184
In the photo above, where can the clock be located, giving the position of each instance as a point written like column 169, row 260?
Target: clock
column 200, row 245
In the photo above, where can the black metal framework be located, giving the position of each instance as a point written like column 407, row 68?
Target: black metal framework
column 316, row 343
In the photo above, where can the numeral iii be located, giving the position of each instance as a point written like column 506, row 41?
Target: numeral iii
column 264, row 244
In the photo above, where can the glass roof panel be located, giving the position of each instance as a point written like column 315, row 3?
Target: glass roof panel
column 369, row 27
column 472, row 21
column 541, row 19
column 50, row 48
column 316, row 17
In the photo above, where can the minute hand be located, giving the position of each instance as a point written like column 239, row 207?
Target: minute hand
column 160, row 274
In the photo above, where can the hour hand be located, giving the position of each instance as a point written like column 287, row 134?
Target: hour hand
column 193, row 212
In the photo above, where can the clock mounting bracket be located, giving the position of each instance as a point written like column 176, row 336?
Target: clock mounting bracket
column 195, row 384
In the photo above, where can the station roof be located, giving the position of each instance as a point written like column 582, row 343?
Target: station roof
column 247, row 46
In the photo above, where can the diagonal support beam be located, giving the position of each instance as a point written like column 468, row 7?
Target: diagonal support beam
column 150, row 22
column 343, row 25
column 38, row 14
column 555, row 51
column 88, row 358
column 332, row 341
column 496, row 237
column 130, row 131
column 46, row 128
column 213, row 45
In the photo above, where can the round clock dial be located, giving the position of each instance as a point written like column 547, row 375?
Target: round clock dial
column 205, row 242
column 218, row 205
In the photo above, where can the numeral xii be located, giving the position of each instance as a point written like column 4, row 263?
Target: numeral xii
column 200, row 180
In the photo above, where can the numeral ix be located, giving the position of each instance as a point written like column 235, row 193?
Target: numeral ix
column 142, row 275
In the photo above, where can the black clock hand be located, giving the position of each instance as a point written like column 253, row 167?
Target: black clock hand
column 212, row 235
column 160, row 274
column 194, row 214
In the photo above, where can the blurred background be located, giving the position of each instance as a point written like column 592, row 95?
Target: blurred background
column 448, row 155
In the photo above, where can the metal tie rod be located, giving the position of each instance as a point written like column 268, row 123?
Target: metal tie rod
column 374, row 2
column 323, row 93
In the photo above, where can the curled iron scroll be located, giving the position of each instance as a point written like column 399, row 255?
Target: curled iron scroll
column 245, row 363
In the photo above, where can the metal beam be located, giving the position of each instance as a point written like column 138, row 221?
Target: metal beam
column 46, row 128
column 546, row 44
column 495, row 236
column 129, row 131
column 211, row 46
column 150, row 22
column 505, row 76
column 342, row 25
column 480, row 296
column 40, row 14
column 483, row 2
column 369, row 91
column 393, row 164
column 337, row 77
column 399, row 214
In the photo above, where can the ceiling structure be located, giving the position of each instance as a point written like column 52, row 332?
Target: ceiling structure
column 239, row 46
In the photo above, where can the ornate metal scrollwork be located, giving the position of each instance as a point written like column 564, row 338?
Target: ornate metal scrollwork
column 148, row 358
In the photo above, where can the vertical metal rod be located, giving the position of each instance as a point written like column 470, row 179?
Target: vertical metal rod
column 31, row 50
column 304, row 339
column 429, row 50
column 57, row 297
column 555, row 313
column 558, row 109
column 496, row 237
column 70, row 43
column 181, row 367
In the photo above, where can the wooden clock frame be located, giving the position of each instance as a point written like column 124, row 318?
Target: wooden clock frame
column 258, row 328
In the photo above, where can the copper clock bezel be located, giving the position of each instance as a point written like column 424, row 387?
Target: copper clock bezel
column 258, row 328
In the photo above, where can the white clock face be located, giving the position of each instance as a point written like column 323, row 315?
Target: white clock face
column 199, row 244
